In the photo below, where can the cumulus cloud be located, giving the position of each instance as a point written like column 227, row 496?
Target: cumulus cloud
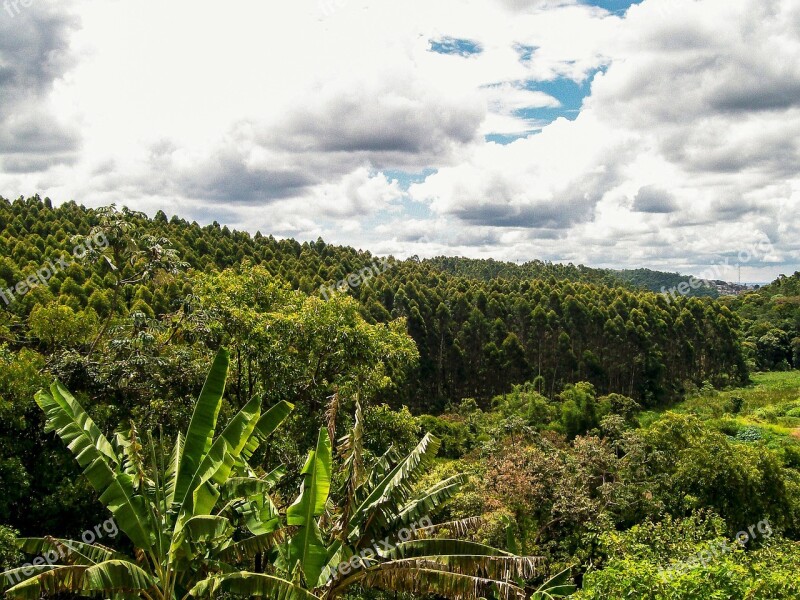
column 652, row 199
column 34, row 55
column 344, row 123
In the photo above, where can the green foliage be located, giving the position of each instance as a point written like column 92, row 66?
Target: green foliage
column 692, row 558
column 454, row 431
column 580, row 409
column 181, row 510
column 9, row 553
column 771, row 324
column 164, row 504
column 749, row 434
column 697, row 467
column 735, row 404
column 58, row 326
column 556, row 362
column 658, row 281
column 526, row 402
column 386, row 428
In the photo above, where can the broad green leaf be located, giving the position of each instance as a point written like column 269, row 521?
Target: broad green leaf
column 13, row 577
column 558, row 586
column 316, row 484
column 171, row 476
column 203, row 534
column 69, row 551
column 396, row 486
column 249, row 547
column 428, row 502
column 265, row 427
column 91, row 449
column 106, row 578
column 200, row 434
column 252, row 585
column 306, row 547
column 219, row 461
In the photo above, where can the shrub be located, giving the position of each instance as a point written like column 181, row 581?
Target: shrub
column 9, row 555
column 735, row 404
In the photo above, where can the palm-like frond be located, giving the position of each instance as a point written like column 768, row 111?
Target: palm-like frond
column 252, row 585
column 265, row 427
column 171, row 474
column 461, row 556
column 12, row 577
column 306, row 547
column 202, row 534
column 101, row 466
column 200, row 434
column 558, row 586
column 108, row 578
column 353, row 472
column 427, row 502
column 218, row 462
column 379, row 507
column 249, row 547
column 69, row 551
column 458, row 528
column 426, row 578
column 498, row 568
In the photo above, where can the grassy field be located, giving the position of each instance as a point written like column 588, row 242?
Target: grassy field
column 768, row 409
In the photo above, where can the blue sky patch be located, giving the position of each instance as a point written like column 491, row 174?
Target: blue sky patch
column 406, row 178
column 457, row 46
column 568, row 92
column 618, row 7
column 525, row 52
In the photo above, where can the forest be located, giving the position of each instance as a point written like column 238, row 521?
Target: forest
column 230, row 414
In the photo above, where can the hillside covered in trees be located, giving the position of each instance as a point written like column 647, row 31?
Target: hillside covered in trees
column 771, row 324
column 477, row 331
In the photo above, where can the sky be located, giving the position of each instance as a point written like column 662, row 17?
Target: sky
column 659, row 133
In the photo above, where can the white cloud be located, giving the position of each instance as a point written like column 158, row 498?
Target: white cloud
column 287, row 119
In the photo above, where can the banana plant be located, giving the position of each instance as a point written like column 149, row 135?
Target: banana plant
column 376, row 532
column 195, row 514
column 190, row 514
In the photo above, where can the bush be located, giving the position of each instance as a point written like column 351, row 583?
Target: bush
column 453, row 431
column 10, row 556
column 638, row 568
column 728, row 426
column 384, row 427
column 735, row 405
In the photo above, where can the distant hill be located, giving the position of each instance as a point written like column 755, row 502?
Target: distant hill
column 658, row 281
column 643, row 279
column 783, row 285
column 489, row 269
